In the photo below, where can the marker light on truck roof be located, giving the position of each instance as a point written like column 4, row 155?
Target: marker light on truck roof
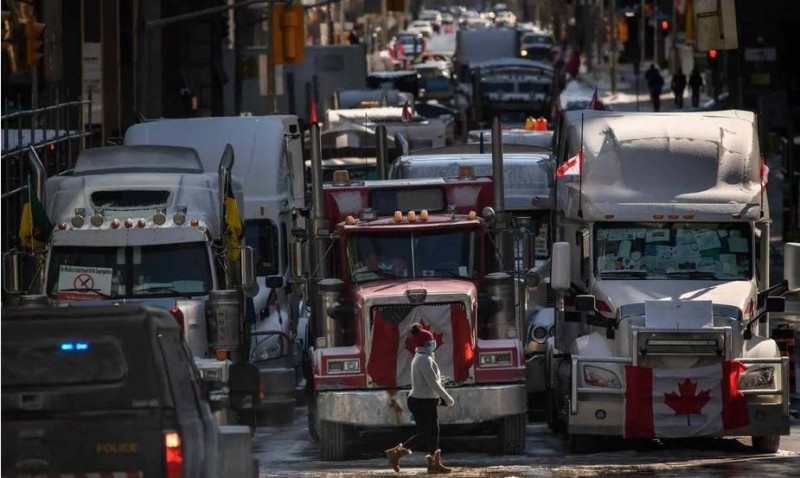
column 141, row 223
column 424, row 216
column 194, row 222
column 341, row 177
column 412, row 216
column 466, row 172
column 180, row 216
column 472, row 215
column 128, row 223
column 79, row 219
column 62, row 226
column 398, row 216
column 658, row 216
column 350, row 220
column 115, row 224
column 160, row 217
column 97, row 218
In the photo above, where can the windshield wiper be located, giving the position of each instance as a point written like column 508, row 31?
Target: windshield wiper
column 623, row 274
column 153, row 288
column 693, row 274
column 444, row 273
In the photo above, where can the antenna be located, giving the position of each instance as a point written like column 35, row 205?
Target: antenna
column 480, row 146
column 762, row 174
column 580, row 173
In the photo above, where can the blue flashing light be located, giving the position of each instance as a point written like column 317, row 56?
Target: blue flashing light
column 74, row 346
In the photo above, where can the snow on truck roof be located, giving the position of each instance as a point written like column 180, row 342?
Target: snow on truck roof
column 704, row 163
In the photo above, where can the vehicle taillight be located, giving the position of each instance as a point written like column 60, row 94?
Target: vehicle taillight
column 602, row 306
column 178, row 314
column 173, row 454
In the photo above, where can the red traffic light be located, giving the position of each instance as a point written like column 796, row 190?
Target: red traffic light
column 712, row 54
column 664, row 25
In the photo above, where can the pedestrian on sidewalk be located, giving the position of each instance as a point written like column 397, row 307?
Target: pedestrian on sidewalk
column 656, row 83
column 427, row 393
column 695, row 84
column 678, row 85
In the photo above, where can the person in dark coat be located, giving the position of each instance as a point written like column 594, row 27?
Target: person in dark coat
column 655, row 82
column 678, row 85
column 695, row 84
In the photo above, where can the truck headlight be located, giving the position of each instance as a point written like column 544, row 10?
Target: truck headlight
column 600, row 377
column 495, row 359
column 757, row 378
column 344, row 366
column 269, row 348
column 539, row 334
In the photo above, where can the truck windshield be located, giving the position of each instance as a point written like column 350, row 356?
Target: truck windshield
column 694, row 251
column 412, row 254
column 96, row 273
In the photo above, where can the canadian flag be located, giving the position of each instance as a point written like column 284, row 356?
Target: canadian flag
column 595, row 104
column 391, row 350
column 407, row 116
column 572, row 166
column 674, row 403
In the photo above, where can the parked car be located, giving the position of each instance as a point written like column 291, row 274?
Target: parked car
column 435, row 81
column 102, row 390
column 434, row 19
column 536, row 46
column 422, row 27
column 409, row 45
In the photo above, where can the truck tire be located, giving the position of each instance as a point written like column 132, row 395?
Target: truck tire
column 767, row 444
column 555, row 421
column 512, row 434
column 331, row 441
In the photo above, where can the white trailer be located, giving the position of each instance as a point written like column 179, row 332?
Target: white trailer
column 419, row 132
column 662, row 274
column 269, row 159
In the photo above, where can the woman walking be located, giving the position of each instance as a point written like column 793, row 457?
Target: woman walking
column 426, row 393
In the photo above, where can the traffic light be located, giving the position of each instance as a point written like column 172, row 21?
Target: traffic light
column 288, row 34
column 665, row 27
column 33, row 45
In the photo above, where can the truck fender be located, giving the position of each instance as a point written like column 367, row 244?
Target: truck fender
column 760, row 347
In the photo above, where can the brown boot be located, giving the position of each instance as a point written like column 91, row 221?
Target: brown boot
column 437, row 459
column 394, row 455
column 435, row 466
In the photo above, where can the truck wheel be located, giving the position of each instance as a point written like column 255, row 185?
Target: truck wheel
column 554, row 419
column 582, row 443
column 767, row 444
column 331, row 441
column 313, row 426
column 512, row 434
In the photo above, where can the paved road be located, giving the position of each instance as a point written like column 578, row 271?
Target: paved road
column 288, row 451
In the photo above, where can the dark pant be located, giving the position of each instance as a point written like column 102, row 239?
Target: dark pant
column 655, row 97
column 427, row 420
column 695, row 97
column 679, row 98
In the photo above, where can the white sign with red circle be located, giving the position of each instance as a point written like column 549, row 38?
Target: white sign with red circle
column 84, row 283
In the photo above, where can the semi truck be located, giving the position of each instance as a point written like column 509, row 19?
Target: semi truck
column 386, row 253
column 661, row 268
column 269, row 160
column 146, row 224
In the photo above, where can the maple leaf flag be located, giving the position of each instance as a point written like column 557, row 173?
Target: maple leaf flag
column 572, row 166
column 407, row 116
column 675, row 403
column 391, row 350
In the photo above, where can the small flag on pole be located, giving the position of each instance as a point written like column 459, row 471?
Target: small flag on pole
column 572, row 166
column 595, row 104
column 313, row 115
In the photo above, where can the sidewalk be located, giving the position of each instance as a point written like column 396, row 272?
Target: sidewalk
column 625, row 98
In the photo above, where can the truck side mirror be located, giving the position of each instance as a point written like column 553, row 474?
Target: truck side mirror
column 560, row 269
column 248, row 277
column 584, row 303
column 791, row 266
column 11, row 273
column 775, row 304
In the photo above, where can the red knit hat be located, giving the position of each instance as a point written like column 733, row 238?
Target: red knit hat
column 419, row 336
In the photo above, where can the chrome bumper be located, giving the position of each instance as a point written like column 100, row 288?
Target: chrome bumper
column 475, row 404
column 585, row 403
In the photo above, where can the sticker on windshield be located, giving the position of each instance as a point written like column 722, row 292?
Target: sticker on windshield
column 84, row 283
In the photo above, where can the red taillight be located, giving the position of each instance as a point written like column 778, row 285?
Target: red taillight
column 602, row 306
column 178, row 314
column 173, row 454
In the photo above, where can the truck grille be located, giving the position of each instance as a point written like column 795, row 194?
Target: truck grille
column 396, row 313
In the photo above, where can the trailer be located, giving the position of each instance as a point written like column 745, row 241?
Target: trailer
column 269, row 159
column 419, row 132
column 661, row 268
column 372, row 277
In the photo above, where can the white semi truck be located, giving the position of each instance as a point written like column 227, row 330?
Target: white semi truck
column 662, row 276
column 145, row 224
column 269, row 161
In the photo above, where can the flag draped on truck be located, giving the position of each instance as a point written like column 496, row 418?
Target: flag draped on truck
column 34, row 224
column 673, row 403
column 390, row 352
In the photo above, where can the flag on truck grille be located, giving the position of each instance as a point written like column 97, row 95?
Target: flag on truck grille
column 674, row 403
column 34, row 225
column 391, row 351
column 572, row 166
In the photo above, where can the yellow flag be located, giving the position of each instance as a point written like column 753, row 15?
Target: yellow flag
column 234, row 229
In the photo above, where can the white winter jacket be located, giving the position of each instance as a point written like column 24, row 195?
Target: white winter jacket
column 426, row 380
